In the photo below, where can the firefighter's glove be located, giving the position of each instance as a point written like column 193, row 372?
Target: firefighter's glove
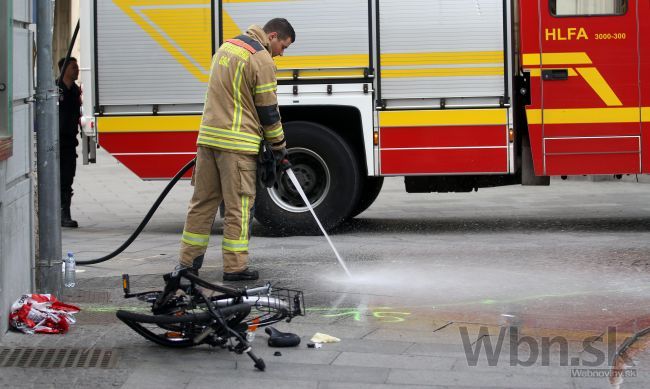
column 266, row 165
column 281, row 160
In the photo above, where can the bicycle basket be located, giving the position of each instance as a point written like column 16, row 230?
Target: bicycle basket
column 280, row 304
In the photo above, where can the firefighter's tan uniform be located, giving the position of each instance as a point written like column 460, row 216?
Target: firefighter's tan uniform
column 240, row 110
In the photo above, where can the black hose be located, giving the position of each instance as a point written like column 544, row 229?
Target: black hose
column 146, row 219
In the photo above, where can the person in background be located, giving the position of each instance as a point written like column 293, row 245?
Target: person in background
column 69, row 114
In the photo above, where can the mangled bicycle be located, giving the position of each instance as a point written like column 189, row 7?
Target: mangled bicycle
column 191, row 311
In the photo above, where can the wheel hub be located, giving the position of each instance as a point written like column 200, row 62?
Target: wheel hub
column 306, row 177
column 312, row 174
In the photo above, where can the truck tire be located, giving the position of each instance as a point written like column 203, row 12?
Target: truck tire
column 328, row 173
column 369, row 192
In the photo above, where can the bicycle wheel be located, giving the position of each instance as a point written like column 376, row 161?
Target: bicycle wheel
column 184, row 329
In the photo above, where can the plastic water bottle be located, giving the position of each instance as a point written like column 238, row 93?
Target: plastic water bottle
column 70, row 268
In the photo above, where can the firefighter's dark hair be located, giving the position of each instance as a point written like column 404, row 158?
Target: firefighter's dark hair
column 282, row 27
column 62, row 60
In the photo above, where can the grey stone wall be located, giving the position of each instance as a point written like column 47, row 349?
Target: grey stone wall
column 16, row 180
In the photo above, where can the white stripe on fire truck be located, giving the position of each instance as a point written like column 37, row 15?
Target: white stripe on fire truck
column 445, row 148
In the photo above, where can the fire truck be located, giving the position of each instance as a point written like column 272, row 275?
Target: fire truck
column 452, row 95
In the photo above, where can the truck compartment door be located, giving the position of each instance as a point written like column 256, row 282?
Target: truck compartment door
column 589, row 74
column 433, row 50
column 443, row 90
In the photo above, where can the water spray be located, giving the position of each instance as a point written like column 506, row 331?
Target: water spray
column 295, row 182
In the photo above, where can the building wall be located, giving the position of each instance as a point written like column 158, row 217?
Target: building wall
column 66, row 15
column 16, row 181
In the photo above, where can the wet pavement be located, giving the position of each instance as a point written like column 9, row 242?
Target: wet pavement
column 508, row 287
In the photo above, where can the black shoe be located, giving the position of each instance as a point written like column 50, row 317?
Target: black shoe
column 244, row 275
column 66, row 219
column 69, row 223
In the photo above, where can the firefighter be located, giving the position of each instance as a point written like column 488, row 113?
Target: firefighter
column 69, row 114
column 240, row 110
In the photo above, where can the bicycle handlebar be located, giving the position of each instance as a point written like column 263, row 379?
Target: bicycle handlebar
column 266, row 289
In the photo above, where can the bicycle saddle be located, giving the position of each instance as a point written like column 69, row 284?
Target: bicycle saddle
column 281, row 339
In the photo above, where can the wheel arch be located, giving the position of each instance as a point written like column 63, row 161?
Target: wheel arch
column 330, row 176
column 344, row 120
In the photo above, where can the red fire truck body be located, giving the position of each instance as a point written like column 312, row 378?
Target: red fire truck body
column 452, row 95
column 593, row 120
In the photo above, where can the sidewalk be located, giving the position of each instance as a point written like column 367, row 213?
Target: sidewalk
column 427, row 269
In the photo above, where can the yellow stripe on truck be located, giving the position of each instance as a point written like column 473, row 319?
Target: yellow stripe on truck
column 287, row 74
column 537, row 59
column 148, row 123
column 441, row 58
column 443, row 117
column 599, row 85
column 388, row 60
column 159, row 19
column 585, row 115
column 321, row 61
column 441, row 72
column 645, row 114
column 590, row 74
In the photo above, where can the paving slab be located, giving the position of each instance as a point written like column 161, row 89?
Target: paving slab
column 392, row 361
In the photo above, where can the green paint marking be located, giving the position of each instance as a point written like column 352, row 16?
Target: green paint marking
column 390, row 318
column 382, row 313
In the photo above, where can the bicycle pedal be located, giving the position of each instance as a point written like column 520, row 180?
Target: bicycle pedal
column 126, row 286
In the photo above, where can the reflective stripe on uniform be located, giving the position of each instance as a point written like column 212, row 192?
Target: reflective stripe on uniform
column 192, row 239
column 224, row 133
column 270, row 87
column 236, row 87
column 273, row 133
column 245, row 215
column 242, row 44
column 236, row 50
column 235, row 245
column 228, row 139
column 226, row 144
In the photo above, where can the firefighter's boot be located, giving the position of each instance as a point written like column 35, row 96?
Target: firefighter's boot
column 244, row 275
column 66, row 218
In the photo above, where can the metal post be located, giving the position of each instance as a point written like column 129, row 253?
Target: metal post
column 47, row 132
